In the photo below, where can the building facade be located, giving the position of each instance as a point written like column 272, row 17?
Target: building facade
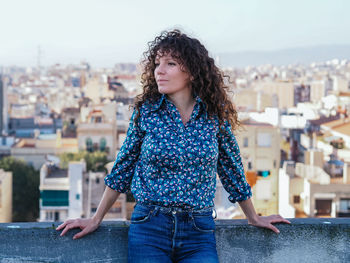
column 5, row 196
column 260, row 150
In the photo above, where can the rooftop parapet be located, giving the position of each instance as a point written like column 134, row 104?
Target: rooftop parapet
column 305, row 240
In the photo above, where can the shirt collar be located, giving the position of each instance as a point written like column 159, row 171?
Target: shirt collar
column 158, row 103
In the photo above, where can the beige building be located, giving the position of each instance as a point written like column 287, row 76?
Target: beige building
column 252, row 100
column 5, row 196
column 97, row 130
column 340, row 84
column 260, row 150
column 36, row 151
column 317, row 90
column 339, row 128
column 96, row 88
column 283, row 91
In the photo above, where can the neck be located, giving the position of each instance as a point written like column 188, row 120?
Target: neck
column 182, row 101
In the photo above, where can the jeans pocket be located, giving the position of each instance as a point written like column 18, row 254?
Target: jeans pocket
column 140, row 215
column 203, row 224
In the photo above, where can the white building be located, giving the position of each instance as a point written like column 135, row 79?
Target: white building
column 74, row 193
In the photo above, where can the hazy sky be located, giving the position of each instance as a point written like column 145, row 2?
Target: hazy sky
column 104, row 32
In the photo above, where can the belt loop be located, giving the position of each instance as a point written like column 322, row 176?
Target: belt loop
column 156, row 210
column 215, row 213
column 191, row 215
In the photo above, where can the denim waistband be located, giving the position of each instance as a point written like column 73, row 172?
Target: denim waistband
column 172, row 209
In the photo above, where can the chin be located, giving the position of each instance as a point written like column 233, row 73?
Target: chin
column 163, row 90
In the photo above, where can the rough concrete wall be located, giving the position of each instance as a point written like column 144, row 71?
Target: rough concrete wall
column 306, row 240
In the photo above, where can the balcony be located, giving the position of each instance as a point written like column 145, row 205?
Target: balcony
column 305, row 240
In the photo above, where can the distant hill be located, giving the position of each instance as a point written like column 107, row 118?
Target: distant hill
column 305, row 55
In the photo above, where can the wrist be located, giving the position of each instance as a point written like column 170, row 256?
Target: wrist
column 253, row 219
column 97, row 220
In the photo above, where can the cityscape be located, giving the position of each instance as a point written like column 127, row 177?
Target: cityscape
column 69, row 75
column 63, row 125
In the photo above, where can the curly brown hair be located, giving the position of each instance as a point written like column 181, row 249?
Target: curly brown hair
column 207, row 81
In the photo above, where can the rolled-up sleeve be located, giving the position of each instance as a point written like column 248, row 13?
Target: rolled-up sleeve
column 230, row 168
column 124, row 166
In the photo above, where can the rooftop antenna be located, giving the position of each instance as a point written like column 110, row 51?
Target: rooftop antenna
column 39, row 58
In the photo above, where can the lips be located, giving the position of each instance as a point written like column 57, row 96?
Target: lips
column 161, row 80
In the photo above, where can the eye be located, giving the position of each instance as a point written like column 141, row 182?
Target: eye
column 156, row 64
column 172, row 64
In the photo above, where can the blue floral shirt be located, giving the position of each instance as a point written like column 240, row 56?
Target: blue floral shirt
column 165, row 162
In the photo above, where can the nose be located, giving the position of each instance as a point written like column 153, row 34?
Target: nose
column 159, row 70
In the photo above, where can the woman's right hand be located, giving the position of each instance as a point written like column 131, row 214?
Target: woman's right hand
column 87, row 226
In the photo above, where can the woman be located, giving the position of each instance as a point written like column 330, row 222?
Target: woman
column 180, row 136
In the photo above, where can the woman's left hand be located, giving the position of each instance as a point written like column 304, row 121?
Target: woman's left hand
column 267, row 221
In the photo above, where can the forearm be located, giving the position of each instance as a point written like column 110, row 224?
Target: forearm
column 108, row 199
column 248, row 210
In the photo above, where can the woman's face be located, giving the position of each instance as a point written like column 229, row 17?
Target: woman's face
column 170, row 75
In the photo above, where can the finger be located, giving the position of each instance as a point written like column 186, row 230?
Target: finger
column 283, row 220
column 64, row 224
column 81, row 234
column 286, row 221
column 274, row 229
column 61, row 225
column 279, row 221
column 69, row 227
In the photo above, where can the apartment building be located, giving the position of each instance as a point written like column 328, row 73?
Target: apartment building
column 260, row 150
column 97, row 130
column 74, row 193
column 311, row 192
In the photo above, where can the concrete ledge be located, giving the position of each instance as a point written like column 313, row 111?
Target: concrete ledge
column 306, row 240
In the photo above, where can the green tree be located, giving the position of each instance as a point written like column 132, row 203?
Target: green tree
column 95, row 161
column 25, row 189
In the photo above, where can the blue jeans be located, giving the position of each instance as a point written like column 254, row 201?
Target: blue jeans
column 159, row 234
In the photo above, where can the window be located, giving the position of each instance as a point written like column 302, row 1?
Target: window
column 89, row 146
column 344, row 205
column 265, row 173
column 296, row 199
column 250, row 166
column 245, row 142
column 103, row 144
column 264, row 139
column 323, row 207
column 77, row 196
column 97, row 180
column 57, row 216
